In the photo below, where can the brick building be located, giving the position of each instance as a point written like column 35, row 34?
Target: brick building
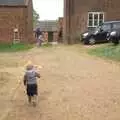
column 16, row 21
column 49, row 29
column 80, row 15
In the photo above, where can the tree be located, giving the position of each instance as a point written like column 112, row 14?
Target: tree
column 35, row 18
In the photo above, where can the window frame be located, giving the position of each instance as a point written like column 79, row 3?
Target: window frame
column 93, row 20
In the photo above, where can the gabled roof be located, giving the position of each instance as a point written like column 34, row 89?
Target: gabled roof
column 13, row 2
column 48, row 25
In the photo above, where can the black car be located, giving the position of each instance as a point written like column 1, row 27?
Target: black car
column 115, row 34
column 100, row 34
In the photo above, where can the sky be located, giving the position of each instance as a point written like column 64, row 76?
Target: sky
column 49, row 9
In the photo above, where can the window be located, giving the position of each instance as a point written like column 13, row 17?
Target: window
column 95, row 19
column 116, row 25
column 106, row 27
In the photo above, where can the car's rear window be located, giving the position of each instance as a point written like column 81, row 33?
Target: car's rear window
column 116, row 25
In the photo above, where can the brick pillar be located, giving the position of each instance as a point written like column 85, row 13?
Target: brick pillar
column 68, row 18
column 66, row 22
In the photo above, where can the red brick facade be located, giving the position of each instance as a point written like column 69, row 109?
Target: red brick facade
column 76, row 15
column 29, row 9
column 19, row 17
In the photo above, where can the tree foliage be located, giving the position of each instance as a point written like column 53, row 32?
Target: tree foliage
column 35, row 17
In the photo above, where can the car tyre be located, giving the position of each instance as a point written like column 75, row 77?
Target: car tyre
column 116, row 42
column 92, row 41
column 85, row 42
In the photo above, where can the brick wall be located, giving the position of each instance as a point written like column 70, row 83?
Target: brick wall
column 30, row 22
column 10, row 18
column 20, row 17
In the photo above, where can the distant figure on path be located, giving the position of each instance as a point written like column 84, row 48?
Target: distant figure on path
column 38, row 36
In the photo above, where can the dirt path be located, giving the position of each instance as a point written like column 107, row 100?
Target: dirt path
column 73, row 86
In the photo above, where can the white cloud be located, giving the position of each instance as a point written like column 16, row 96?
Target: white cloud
column 48, row 9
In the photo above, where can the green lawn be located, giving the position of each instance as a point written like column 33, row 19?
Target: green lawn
column 107, row 51
column 15, row 47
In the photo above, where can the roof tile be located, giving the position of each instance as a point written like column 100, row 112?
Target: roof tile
column 12, row 2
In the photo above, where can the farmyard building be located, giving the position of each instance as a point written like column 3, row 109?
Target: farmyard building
column 81, row 15
column 16, row 21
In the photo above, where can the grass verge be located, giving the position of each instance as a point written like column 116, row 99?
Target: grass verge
column 108, row 51
column 15, row 47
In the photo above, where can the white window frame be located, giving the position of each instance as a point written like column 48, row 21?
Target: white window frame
column 93, row 13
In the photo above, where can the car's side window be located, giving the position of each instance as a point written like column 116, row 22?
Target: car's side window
column 106, row 27
column 116, row 26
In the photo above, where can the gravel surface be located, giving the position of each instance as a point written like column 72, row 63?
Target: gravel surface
column 73, row 86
